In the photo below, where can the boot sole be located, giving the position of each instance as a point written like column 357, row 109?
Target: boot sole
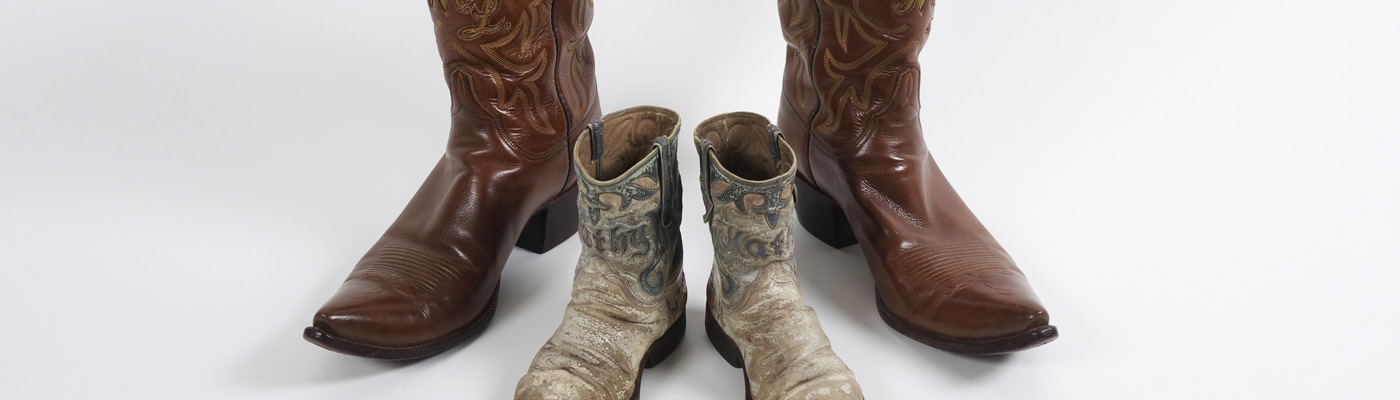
column 547, row 228
column 823, row 218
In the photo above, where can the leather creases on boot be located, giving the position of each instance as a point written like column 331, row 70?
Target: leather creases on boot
column 850, row 108
column 627, row 310
column 755, row 315
column 520, row 74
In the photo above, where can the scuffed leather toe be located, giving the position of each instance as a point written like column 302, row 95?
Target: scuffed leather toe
column 831, row 386
column 833, row 392
column 555, row 385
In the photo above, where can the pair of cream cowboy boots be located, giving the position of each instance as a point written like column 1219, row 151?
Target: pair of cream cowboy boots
column 627, row 310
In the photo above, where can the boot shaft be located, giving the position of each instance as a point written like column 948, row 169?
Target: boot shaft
column 852, row 72
column 746, row 177
column 629, row 193
column 520, row 73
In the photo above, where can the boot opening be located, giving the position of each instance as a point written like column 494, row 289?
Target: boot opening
column 744, row 147
column 626, row 139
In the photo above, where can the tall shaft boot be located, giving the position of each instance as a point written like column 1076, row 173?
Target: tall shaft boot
column 520, row 74
column 627, row 311
column 755, row 315
column 850, row 107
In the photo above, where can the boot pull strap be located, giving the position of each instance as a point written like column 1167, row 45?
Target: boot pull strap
column 595, row 140
column 775, row 138
column 707, row 151
column 665, row 158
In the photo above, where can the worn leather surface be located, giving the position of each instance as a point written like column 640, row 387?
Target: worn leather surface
column 520, row 74
column 850, row 107
column 747, row 180
column 628, row 287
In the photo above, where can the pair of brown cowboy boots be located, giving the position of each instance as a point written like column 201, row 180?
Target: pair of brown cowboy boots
column 523, row 92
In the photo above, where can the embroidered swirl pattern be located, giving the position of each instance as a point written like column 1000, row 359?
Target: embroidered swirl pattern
column 861, row 51
column 501, row 63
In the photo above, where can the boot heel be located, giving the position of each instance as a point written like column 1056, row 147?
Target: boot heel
column 822, row 217
column 722, row 342
column 666, row 344
column 551, row 225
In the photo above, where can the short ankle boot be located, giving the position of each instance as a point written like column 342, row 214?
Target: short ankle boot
column 850, row 107
column 755, row 315
column 627, row 311
column 520, row 74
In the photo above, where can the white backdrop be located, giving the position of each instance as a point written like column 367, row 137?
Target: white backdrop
column 1202, row 192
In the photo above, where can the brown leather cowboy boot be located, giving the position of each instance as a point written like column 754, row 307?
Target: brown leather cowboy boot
column 520, row 73
column 850, row 108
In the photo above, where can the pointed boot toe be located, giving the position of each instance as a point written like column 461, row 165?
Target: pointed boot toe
column 379, row 318
column 982, row 319
column 366, row 311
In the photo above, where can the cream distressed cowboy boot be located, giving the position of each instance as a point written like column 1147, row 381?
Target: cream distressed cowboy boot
column 627, row 311
column 755, row 315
